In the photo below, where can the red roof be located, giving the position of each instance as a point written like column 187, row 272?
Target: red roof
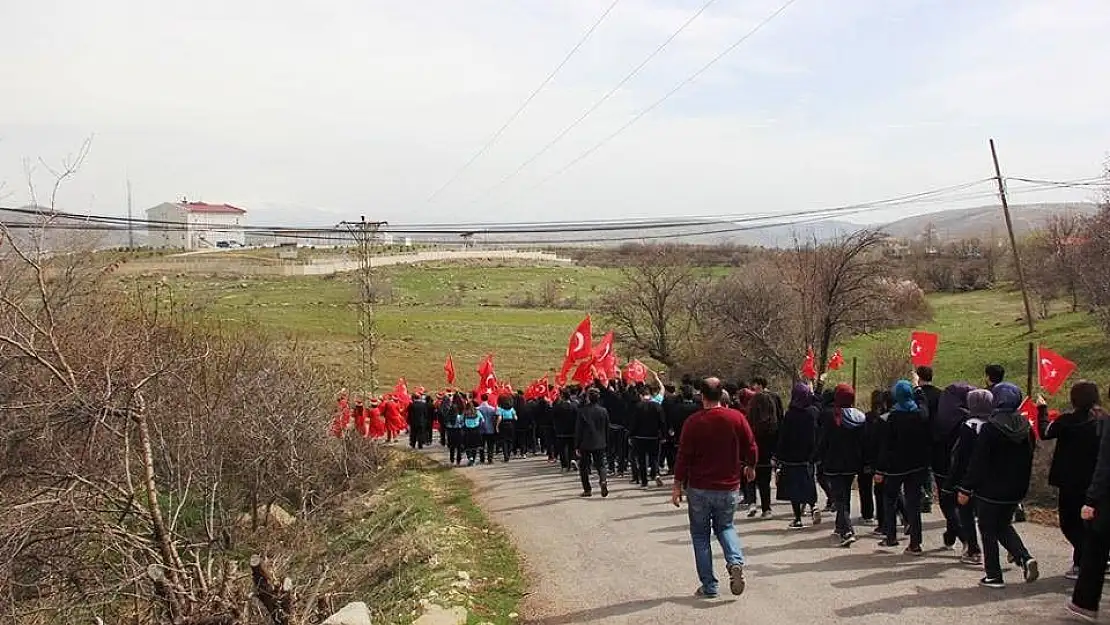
column 201, row 207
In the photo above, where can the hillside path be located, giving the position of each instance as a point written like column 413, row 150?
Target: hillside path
column 627, row 559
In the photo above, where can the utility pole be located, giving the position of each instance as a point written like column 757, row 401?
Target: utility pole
column 130, row 221
column 1013, row 239
column 365, row 233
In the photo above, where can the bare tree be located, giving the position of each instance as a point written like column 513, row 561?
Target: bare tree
column 653, row 308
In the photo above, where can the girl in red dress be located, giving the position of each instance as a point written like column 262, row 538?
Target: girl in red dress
column 377, row 420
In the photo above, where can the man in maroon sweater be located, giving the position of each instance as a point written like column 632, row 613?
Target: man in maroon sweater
column 716, row 446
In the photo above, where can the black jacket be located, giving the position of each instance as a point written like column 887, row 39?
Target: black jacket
column 767, row 440
column 592, row 428
column 615, row 405
column 873, row 434
column 541, row 413
column 1000, row 467
column 966, row 437
column 1076, row 435
column 841, row 449
column 420, row 415
column 564, row 416
column 647, row 420
column 906, row 444
column 797, row 442
column 932, row 398
column 1098, row 493
column 677, row 412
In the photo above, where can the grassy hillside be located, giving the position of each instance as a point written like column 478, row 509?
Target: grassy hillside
column 463, row 310
column 987, row 327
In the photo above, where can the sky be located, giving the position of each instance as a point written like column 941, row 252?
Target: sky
column 306, row 113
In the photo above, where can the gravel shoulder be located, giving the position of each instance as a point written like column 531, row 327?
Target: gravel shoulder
column 628, row 559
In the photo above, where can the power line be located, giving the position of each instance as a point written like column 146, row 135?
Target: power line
column 668, row 95
column 596, row 105
column 500, row 131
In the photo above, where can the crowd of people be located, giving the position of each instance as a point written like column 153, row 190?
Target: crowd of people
column 970, row 446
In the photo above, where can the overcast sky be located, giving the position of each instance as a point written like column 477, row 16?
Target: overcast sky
column 307, row 112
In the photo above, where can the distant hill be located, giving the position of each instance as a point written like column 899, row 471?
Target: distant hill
column 980, row 222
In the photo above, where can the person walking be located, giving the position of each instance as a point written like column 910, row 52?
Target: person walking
column 488, row 412
column 950, row 414
column 419, row 421
column 998, row 479
column 841, row 453
column 980, row 405
column 506, row 426
column 1087, row 594
column 646, row 425
column 590, row 433
column 795, row 454
column 764, row 421
column 903, row 465
column 1073, row 460
column 716, row 448
column 564, row 418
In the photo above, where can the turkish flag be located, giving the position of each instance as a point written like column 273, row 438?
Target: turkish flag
column 579, row 346
column 604, row 349
column 1053, row 370
column 635, row 372
column 923, row 348
column 836, row 362
column 809, row 367
column 487, row 379
column 449, row 369
column 584, row 374
column 1028, row 410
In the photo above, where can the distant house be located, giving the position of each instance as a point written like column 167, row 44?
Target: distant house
column 196, row 225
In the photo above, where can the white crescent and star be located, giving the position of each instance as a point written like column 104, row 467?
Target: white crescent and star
column 915, row 347
column 580, row 342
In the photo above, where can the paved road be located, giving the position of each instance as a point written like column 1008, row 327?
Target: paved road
column 627, row 559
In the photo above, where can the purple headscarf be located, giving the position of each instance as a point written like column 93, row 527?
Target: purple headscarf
column 801, row 397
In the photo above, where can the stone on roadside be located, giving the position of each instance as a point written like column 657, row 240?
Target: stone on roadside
column 356, row 613
column 277, row 517
column 435, row 615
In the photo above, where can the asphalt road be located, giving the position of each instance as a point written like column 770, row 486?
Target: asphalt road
column 627, row 559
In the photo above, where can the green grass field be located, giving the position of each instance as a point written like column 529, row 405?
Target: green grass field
column 466, row 311
column 462, row 310
column 988, row 327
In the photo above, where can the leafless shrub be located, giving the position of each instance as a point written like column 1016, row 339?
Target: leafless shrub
column 887, row 362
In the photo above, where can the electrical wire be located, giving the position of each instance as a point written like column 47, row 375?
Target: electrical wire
column 596, row 105
column 665, row 97
column 512, row 118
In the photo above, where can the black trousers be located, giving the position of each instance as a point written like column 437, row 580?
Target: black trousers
column 996, row 524
column 417, row 437
column 442, row 435
column 564, row 446
column 841, row 488
column 865, row 482
column 547, row 440
column 489, row 446
column 646, row 455
column 948, row 507
column 1069, row 505
column 595, row 458
column 508, row 438
column 909, row 487
column 968, row 528
column 668, row 453
column 618, row 450
column 823, row 482
column 1092, row 563
column 763, row 477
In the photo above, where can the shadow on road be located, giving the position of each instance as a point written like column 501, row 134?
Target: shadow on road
column 630, row 607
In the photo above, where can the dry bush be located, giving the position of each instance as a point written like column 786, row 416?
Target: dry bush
column 132, row 437
column 887, row 362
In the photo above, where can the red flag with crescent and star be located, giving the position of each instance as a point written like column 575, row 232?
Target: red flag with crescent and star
column 581, row 342
column 1053, row 370
column 1028, row 409
column 923, row 348
column 836, row 362
column 635, row 372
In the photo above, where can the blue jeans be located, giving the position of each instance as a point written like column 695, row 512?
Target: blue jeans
column 711, row 511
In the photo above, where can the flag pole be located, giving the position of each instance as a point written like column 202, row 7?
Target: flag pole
column 1030, row 364
column 855, row 362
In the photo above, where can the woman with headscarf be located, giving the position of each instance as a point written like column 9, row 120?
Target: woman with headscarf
column 980, row 405
column 903, row 464
column 825, row 412
column 1073, row 461
column 998, row 478
column 763, row 417
column 841, row 453
column 795, row 454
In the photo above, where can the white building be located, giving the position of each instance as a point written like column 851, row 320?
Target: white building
column 196, row 225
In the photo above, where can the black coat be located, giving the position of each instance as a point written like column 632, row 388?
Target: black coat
column 420, row 415
column 1098, row 493
column 907, row 444
column 564, row 416
column 1077, row 438
column 647, row 420
column 541, row 413
column 676, row 414
column 1000, row 467
column 592, row 428
column 873, row 434
column 797, row 443
column 841, row 450
column 966, row 437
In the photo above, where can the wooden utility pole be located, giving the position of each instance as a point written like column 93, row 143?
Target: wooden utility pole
column 130, row 221
column 1013, row 239
column 1030, row 370
column 365, row 234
